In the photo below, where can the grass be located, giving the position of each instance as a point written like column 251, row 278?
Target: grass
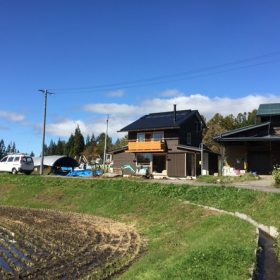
column 227, row 179
column 183, row 241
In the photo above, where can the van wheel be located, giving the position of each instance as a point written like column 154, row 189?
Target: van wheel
column 14, row 171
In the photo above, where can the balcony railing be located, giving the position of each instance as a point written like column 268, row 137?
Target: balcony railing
column 145, row 146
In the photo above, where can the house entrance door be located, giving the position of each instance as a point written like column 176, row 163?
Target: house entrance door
column 190, row 164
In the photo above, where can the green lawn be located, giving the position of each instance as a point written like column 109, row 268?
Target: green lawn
column 227, row 179
column 182, row 241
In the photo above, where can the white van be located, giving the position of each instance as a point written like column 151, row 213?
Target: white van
column 17, row 163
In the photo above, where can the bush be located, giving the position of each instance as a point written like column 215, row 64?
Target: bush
column 276, row 175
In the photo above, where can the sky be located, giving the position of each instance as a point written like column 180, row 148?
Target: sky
column 128, row 58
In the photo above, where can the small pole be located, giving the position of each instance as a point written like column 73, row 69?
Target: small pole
column 201, row 160
column 45, row 92
column 105, row 142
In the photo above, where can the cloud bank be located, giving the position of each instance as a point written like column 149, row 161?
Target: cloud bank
column 11, row 116
column 122, row 114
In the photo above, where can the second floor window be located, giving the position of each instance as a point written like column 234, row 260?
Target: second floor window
column 157, row 136
column 189, row 138
column 140, row 137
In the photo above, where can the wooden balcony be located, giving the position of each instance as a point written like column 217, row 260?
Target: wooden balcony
column 145, row 146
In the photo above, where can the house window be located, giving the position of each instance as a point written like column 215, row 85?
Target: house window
column 140, row 137
column 189, row 138
column 157, row 136
column 143, row 159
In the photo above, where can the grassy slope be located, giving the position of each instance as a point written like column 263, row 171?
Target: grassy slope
column 184, row 242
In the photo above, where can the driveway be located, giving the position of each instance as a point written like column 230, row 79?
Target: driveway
column 265, row 184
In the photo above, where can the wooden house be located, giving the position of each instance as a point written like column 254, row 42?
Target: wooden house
column 255, row 148
column 168, row 143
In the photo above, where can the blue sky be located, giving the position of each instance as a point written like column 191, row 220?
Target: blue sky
column 214, row 56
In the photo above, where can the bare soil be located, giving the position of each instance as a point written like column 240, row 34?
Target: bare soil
column 46, row 244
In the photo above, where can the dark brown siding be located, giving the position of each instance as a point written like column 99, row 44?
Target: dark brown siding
column 122, row 158
column 259, row 162
column 190, row 126
column 176, row 165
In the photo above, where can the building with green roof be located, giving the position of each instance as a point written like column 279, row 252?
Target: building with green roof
column 255, row 148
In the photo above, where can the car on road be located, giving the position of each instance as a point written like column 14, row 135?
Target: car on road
column 15, row 163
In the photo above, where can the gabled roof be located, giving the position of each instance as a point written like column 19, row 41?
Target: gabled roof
column 238, row 130
column 234, row 136
column 270, row 109
column 162, row 120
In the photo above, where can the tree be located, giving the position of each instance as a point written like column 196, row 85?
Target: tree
column 60, row 147
column 215, row 126
column 51, row 149
column 32, row 154
column 219, row 124
column 69, row 151
column 100, row 142
column 2, row 149
column 79, row 142
column 120, row 142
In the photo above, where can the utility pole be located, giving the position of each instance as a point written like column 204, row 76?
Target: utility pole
column 105, row 143
column 201, row 155
column 45, row 92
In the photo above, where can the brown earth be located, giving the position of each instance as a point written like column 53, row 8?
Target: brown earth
column 46, row 244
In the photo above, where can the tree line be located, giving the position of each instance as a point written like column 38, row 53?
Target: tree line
column 10, row 149
column 90, row 146
column 219, row 124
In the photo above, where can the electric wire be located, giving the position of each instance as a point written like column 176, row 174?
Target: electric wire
column 201, row 72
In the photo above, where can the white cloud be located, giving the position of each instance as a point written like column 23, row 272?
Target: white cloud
column 115, row 93
column 65, row 127
column 110, row 108
column 10, row 116
column 209, row 106
column 121, row 115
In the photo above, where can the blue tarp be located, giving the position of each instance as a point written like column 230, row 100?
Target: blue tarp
column 84, row 173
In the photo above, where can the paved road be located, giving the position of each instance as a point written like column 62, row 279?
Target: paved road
column 265, row 184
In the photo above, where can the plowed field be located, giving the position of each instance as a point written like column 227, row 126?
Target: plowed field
column 46, row 244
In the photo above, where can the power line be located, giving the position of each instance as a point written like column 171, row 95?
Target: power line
column 201, row 72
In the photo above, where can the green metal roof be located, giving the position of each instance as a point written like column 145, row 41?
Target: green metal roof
column 270, row 109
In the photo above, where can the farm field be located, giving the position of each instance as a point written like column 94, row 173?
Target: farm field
column 180, row 241
column 48, row 244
